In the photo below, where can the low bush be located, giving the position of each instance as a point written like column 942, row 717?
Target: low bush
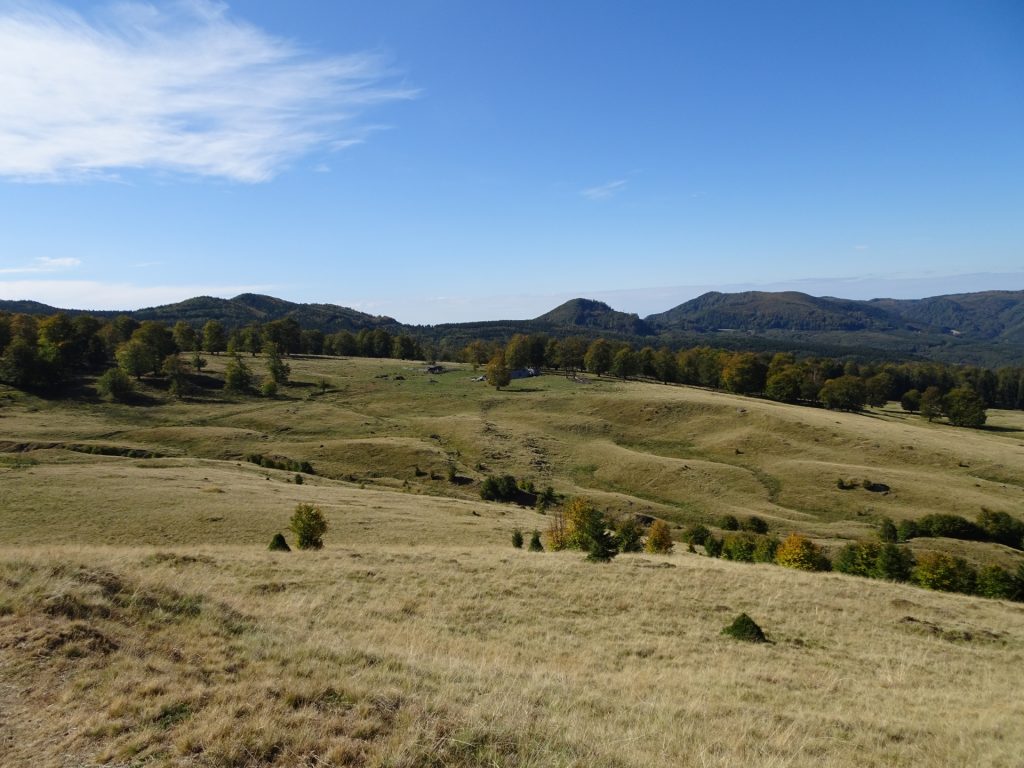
column 535, row 545
column 997, row 583
column 502, row 488
column 696, row 534
column 936, row 570
column 754, row 525
column 629, row 534
column 746, row 629
column 114, row 384
column 1002, row 528
column 517, row 538
column 278, row 544
column 729, row 523
column 766, row 549
column 280, row 462
column 739, row 548
column 887, row 531
column 713, row 547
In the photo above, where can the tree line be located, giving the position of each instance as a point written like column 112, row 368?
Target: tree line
column 43, row 352
column 46, row 352
column 959, row 393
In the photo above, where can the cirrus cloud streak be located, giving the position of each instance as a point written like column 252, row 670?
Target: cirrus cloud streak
column 183, row 88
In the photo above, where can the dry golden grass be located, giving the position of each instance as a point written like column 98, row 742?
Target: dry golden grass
column 142, row 620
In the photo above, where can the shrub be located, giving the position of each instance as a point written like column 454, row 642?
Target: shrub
column 893, row 563
column 659, row 538
column 535, row 545
column 547, row 498
column 906, row 530
column 517, row 538
column 581, row 519
column 887, row 531
column 278, row 544
column 857, row 559
column 754, row 525
column 801, row 553
column 556, row 533
column 994, row 582
column 745, row 628
column 765, row 549
column 739, row 548
column 269, row 388
column 309, row 525
column 502, row 488
column 597, row 540
column 936, row 570
column 729, row 523
column 629, row 534
column 696, row 534
column 298, row 479
column 114, row 384
column 1000, row 527
column 950, row 527
column 713, row 546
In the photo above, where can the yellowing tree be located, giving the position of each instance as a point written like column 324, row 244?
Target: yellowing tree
column 659, row 538
column 799, row 552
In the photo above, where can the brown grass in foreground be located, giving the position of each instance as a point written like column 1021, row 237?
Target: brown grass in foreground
column 465, row 655
column 143, row 622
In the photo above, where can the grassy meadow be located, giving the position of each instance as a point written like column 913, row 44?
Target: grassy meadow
column 143, row 621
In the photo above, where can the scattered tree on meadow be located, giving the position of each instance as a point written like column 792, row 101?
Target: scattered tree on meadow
column 185, row 336
column 931, row 403
column 278, row 369
column 215, row 339
column 846, row 393
column 114, row 384
column 659, row 538
column 599, row 357
column 629, row 534
column 309, row 525
column 625, row 363
column 135, row 358
column 174, row 369
column 799, row 552
column 498, row 373
column 964, row 408
column 911, row 401
column 238, row 378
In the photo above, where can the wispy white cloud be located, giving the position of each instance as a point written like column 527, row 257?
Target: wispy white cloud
column 42, row 264
column 94, row 294
column 181, row 87
column 603, row 191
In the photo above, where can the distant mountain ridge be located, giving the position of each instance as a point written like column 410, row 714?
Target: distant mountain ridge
column 985, row 327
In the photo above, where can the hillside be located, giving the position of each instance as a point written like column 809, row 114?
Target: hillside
column 594, row 315
column 978, row 328
column 760, row 311
column 143, row 619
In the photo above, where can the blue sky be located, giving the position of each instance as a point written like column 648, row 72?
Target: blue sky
column 448, row 160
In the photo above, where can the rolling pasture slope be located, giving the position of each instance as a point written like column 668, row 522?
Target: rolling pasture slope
column 144, row 622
